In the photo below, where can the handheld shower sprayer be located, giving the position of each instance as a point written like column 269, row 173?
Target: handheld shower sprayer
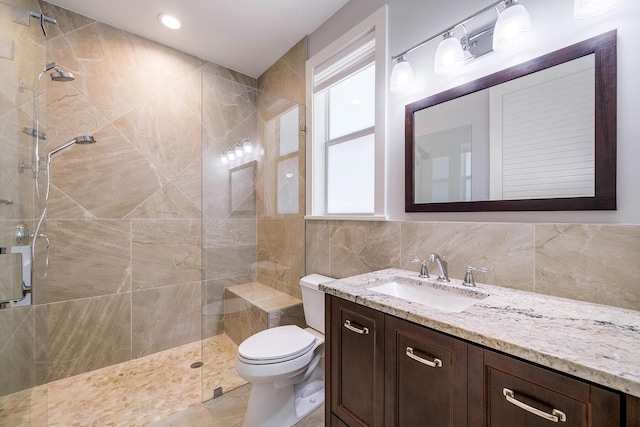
column 83, row 139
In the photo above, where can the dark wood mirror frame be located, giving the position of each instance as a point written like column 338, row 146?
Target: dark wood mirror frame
column 604, row 47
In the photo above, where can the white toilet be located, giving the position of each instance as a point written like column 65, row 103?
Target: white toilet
column 283, row 365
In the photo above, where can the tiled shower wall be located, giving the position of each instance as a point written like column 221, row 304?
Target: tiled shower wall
column 124, row 218
column 281, row 236
column 594, row 263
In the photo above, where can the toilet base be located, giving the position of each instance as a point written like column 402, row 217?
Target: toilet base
column 271, row 406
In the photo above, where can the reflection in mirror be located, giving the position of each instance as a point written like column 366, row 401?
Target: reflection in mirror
column 538, row 136
column 242, row 183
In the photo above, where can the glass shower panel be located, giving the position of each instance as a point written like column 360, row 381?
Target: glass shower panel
column 236, row 192
column 22, row 57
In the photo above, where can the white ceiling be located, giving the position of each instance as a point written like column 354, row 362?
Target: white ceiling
column 245, row 35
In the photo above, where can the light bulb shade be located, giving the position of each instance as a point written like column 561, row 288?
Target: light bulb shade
column 513, row 28
column 224, row 158
column 449, row 56
column 239, row 151
column 247, row 146
column 231, row 156
column 401, row 77
column 586, row 8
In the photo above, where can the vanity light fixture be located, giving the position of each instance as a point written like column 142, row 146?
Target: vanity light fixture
column 169, row 21
column 402, row 76
column 449, row 55
column 247, row 146
column 512, row 28
column 587, row 8
column 236, row 151
column 452, row 52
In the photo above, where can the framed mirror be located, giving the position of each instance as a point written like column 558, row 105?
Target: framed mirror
column 539, row 136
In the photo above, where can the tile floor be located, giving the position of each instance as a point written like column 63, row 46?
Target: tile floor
column 227, row 411
column 160, row 389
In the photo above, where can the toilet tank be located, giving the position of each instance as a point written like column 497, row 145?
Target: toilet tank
column 313, row 300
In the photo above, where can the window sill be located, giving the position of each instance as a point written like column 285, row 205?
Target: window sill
column 346, row 217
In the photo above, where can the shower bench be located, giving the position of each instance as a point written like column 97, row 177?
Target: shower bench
column 253, row 307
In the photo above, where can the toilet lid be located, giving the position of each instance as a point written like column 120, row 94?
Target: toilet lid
column 277, row 344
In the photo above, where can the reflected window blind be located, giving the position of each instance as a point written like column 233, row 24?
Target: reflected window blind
column 548, row 139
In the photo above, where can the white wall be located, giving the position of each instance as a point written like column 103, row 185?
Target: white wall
column 411, row 21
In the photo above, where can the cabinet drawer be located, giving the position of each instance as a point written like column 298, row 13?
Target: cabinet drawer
column 518, row 393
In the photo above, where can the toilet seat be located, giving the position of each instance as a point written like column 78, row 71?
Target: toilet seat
column 276, row 345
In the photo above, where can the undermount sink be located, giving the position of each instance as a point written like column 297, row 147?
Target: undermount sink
column 435, row 295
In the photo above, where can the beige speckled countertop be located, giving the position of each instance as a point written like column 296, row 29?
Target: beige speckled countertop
column 594, row 342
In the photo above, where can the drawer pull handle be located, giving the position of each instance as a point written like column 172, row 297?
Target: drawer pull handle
column 555, row 415
column 361, row 331
column 437, row 363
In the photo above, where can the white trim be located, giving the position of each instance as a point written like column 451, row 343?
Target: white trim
column 346, row 218
column 314, row 176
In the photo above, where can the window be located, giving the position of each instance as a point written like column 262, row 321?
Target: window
column 346, row 140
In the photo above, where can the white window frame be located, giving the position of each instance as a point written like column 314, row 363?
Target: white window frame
column 315, row 158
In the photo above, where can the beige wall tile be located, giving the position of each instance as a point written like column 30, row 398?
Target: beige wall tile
column 87, row 334
column 109, row 178
column 286, row 77
column 595, row 263
column 318, row 242
column 229, row 261
column 281, row 249
column 122, row 70
column 230, row 232
column 168, row 202
column 505, row 249
column 165, row 130
column 189, row 181
column 165, row 317
column 88, row 258
column 361, row 247
column 17, row 352
column 61, row 206
column 69, row 114
column 165, row 252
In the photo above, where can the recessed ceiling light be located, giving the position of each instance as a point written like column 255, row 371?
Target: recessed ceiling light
column 169, row 21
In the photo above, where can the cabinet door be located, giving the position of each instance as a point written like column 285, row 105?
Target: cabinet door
column 520, row 394
column 426, row 377
column 357, row 363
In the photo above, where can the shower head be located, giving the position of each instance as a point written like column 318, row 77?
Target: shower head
column 62, row 76
column 84, row 139
column 57, row 75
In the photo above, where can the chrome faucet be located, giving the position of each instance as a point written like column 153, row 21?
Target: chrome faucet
column 424, row 271
column 443, row 276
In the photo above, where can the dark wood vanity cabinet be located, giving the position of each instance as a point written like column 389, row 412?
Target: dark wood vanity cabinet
column 356, row 363
column 384, row 371
column 510, row 392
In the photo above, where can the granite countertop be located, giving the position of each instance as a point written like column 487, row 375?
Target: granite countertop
column 594, row 342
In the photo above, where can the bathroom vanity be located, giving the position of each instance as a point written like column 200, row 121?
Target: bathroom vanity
column 512, row 358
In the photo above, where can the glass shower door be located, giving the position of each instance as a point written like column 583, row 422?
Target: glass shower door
column 22, row 57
